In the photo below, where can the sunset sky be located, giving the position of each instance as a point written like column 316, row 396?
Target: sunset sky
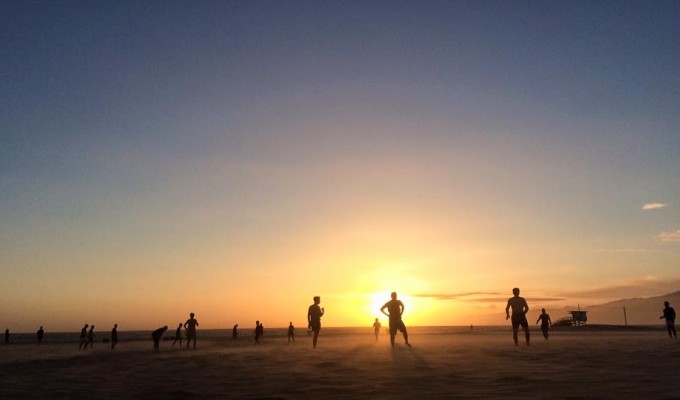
column 237, row 158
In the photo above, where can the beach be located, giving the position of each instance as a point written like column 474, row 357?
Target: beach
column 573, row 364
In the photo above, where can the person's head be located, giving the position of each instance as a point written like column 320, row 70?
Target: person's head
column 665, row 303
column 165, row 327
column 515, row 291
column 180, row 325
column 236, row 326
column 394, row 295
column 290, row 323
column 115, row 325
column 92, row 327
column 191, row 315
column 41, row 327
column 317, row 299
column 86, row 325
column 257, row 322
column 543, row 310
column 376, row 320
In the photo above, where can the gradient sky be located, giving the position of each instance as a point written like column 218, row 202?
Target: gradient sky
column 235, row 159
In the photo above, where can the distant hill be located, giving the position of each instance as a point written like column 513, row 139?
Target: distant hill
column 639, row 311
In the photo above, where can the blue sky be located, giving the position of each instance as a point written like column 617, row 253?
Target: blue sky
column 483, row 142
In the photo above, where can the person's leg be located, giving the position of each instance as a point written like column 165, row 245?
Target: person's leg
column 404, row 333
column 527, row 334
column 316, row 337
column 514, row 334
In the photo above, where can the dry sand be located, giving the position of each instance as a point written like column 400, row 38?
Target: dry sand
column 581, row 365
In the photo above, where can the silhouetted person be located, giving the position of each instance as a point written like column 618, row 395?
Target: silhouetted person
column 291, row 332
column 190, row 326
column 234, row 332
column 396, row 309
column 178, row 336
column 376, row 328
column 314, row 314
column 40, row 334
column 83, row 336
column 545, row 323
column 157, row 335
column 259, row 331
column 90, row 338
column 114, row 336
column 519, row 315
column 6, row 336
column 669, row 316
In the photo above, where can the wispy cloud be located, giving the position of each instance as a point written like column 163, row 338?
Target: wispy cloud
column 653, row 206
column 624, row 250
column 453, row 296
column 504, row 299
column 670, row 237
column 647, row 286
column 490, row 297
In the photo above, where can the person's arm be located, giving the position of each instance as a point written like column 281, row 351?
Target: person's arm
column 673, row 314
column 549, row 321
column 323, row 311
column 382, row 309
column 401, row 308
column 525, row 306
column 539, row 318
column 309, row 317
column 507, row 310
column 185, row 324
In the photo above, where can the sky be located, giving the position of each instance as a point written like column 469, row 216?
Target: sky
column 236, row 158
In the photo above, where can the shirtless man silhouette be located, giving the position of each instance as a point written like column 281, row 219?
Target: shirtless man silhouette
column 519, row 315
column 396, row 309
column 190, row 326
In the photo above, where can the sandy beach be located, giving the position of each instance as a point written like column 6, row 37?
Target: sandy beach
column 484, row 365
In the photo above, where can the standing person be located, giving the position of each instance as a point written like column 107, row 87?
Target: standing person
column 178, row 336
column 157, row 335
column 114, row 336
column 234, row 332
column 259, row 331
column 83, row 336
column 376, row 328
column 190, row 326
column 396, row 309
column 669, row 316
column 40, row 333
column 291, row 332
column 90, row 338
column 545, row 323
column 519, row 315
column 314, row 314
column 6, row 336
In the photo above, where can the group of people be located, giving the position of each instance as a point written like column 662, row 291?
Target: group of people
column 395, row 309
column 519, row 308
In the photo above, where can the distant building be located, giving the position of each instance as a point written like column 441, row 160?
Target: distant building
column 577, row 318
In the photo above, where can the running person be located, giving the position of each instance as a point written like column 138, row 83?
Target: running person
column 396, row 309
column 545, row 323
column 519, row 315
